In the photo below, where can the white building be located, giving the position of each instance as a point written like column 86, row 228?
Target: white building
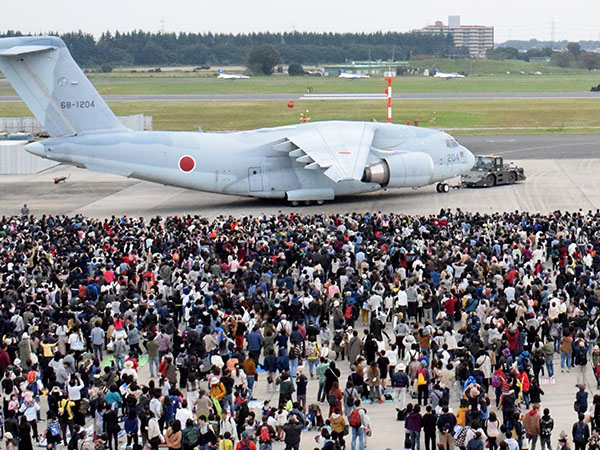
column 476, row 38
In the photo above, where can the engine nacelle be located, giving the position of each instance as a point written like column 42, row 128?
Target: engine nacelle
column 403, row 170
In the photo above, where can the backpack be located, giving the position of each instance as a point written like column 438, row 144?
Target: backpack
column 581, row 358
column 354, row 419
column 265, row 435
column 579, row 434
column 350, row 398
column 54, row 429
column 244, row 445
column 337, row 339
column 496, row 380
column 192, row 436
column 460, row 437
column 348, row 313
column 332, row 399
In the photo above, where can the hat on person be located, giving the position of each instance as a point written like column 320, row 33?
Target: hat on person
column 245, row 434
column 128, row 364
column 214, row 381
column 336, row 304
column 401, row 366
column 25, row 336
column 562, row 437
column 8, row 435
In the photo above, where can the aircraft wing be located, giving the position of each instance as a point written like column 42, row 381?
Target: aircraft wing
column 341, row 149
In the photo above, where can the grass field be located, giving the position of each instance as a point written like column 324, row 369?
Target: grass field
column 188, row 83
column 225, row 116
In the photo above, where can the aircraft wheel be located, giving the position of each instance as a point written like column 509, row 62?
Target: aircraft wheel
column 295, row 203
column 307, row 202
column 445, row 188
column 438, row 187
column 320, row 202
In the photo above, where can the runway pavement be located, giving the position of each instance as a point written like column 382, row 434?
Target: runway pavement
column 333, row 96
column 562, row 173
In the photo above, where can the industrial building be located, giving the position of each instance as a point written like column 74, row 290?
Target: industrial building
column 371, row 68
column 477, row 39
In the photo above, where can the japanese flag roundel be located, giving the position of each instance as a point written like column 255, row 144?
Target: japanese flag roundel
column 187, row 163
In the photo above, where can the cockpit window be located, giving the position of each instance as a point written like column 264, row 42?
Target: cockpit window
column 451, row 143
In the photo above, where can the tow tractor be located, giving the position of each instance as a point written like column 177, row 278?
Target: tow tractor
column 490, row 170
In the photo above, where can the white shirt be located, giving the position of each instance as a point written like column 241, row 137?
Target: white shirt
column 401, row 298
column 183, row 414
column 75, row 391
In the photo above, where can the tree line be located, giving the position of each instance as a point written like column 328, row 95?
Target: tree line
column 140, row 48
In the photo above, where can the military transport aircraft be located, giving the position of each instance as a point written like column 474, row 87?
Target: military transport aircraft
column 307, row 162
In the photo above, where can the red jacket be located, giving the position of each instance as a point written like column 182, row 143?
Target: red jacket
column 251, row 445
column 4, row 359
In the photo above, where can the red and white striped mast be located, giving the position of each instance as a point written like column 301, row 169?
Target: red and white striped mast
column 389, row 77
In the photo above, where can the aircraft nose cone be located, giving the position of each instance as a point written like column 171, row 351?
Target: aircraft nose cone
column 35, row 148
column 470, row 159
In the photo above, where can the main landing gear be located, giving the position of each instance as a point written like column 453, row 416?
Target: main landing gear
column 306, row 202
column 442, row 187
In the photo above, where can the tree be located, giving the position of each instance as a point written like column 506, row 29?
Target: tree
column 261, row 60
column 574, row 48
column 562, row 59
column 590, row 60
column 295, row 69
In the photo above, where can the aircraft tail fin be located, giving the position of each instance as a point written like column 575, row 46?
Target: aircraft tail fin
column 54, row 88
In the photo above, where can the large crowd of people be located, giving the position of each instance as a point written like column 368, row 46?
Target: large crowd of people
column 206, row 334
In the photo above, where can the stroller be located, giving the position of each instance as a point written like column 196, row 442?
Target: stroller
column 315, row 417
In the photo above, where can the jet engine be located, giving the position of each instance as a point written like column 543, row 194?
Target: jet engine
column 403, row 170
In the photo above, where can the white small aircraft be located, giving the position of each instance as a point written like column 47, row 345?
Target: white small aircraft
column 447, row 76
column 232, row 76
column 352, row 76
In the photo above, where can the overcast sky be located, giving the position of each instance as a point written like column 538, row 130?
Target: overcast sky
column 512, row 19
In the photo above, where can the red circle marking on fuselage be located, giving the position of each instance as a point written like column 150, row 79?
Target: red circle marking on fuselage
column 187, row 163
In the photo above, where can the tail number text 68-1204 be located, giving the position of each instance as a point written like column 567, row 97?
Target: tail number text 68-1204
column 80, row 104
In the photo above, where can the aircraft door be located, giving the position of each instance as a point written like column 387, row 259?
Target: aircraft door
column 255, row 179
